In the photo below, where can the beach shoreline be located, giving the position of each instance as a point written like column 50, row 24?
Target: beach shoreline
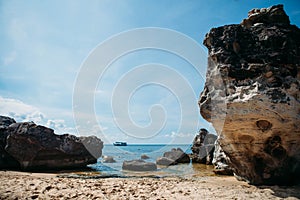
column 26, row 185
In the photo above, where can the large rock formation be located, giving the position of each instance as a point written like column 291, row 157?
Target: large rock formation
column 252, row 95
column 33, row 147
column 203, row 147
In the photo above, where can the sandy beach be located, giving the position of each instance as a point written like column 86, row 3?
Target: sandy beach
column 23, row 185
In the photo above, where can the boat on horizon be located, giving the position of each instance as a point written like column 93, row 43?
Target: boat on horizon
column 120, row 143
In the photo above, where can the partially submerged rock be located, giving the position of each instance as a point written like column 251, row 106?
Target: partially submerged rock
column 144, row 157
column 139, row 165
column 165, row 161
column 252, row 96
column 173, row 157
column 108, row 159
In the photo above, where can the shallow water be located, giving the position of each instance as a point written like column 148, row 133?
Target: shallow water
column 131, row 152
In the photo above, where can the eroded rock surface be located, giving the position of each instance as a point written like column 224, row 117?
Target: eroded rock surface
column 221, row 161
column 252, row 96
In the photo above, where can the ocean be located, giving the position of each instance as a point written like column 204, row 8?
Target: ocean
column 153, row 151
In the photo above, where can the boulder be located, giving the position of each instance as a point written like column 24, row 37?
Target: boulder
column 108, row 159
column 173, row 157
column 203, row 147
column 28, row 146
column 144, row 157
column 139, row 165
column 165, row 161
column 252, row 95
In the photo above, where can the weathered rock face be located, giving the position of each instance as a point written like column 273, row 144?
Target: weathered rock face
column 203, row 147
column 252, row 95
column 34, row 147
column 221, row 161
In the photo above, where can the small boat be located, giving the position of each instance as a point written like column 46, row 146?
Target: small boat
column 120, row 144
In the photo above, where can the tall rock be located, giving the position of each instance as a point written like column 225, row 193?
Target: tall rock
column 203, row 147
column 252, row 96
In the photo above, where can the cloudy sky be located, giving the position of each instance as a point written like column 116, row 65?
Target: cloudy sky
column 45, row 45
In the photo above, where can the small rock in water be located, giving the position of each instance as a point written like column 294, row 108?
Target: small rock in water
column 144, row 156
column 173, row 157
column 108, row 159
column 139, row 165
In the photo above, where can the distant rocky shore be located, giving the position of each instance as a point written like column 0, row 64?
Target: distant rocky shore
column 30, row 147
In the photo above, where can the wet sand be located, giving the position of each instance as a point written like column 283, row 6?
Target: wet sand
column 22, row 185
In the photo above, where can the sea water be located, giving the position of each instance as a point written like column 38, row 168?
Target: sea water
column 153, row 151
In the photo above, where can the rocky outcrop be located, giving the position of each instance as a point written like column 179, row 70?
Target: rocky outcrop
column 203, row 147
column 35, row 147
column 252, row 96
column 139, row 165
column 173, row 157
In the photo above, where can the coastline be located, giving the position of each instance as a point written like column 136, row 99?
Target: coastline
column 22, row 185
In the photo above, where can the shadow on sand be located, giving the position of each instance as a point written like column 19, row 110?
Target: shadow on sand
column 284, row 191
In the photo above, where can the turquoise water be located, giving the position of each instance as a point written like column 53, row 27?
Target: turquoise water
column 132, row 151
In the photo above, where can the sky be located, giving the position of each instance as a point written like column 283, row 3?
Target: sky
column 146, row 95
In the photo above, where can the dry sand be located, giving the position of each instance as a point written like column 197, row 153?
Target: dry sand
column 21, row 185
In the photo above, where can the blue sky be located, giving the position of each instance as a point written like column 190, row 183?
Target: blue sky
column 44, row 44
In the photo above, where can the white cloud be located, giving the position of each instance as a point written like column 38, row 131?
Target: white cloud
column 22, row 112
column 179, row 135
